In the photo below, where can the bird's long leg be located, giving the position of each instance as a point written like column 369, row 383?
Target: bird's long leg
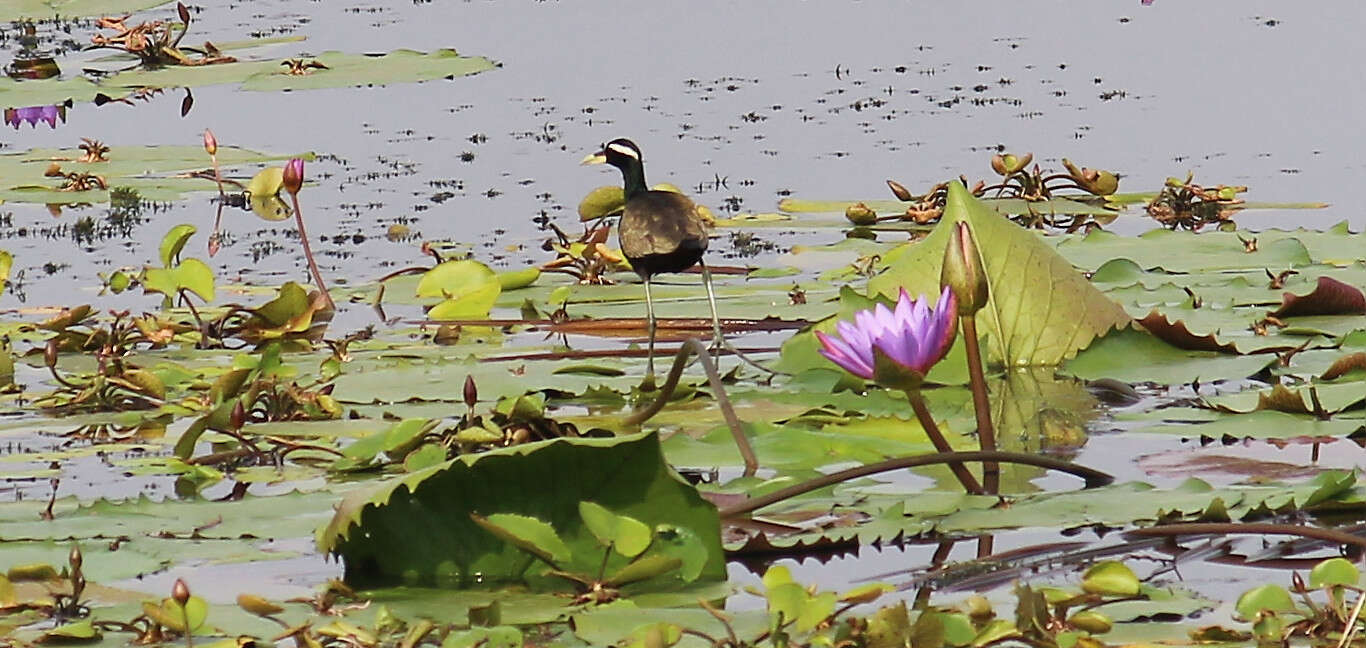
column 719, row 339
column 650, row 328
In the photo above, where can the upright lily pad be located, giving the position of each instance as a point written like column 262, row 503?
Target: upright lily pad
column 190, row 274
column 418, row 529
column 1041, row 311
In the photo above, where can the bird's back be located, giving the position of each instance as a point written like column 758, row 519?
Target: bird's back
column 660, row 225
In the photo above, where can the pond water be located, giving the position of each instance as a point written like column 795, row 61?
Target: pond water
column 740, row 105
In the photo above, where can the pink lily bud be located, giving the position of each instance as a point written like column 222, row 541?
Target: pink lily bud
column 294, row 175
column 963, row 272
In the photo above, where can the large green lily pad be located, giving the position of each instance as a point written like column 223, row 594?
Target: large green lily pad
column 1041, row 311
column 417, row 529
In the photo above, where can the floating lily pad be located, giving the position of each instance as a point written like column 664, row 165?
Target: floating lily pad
column 44, row 9
column 343, row 70
column 18, row 93
column 154, row 172
column 1136, row 356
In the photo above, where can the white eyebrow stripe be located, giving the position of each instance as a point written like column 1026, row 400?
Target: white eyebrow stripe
column 624, row 150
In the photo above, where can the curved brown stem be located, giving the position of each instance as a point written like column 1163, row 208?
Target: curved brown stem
column 308, row 252
column 693, row 346
column 379, row 294
column 185, row 299
column 291, row 446
column 941, row 444
column 1092, row 476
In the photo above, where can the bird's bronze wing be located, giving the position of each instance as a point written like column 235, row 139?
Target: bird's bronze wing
column 660, row 222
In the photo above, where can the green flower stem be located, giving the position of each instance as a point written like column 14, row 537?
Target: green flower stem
column 941, row 444
column 986, row 433
column 1092, row 476
column 693, row 346
column 308, row 252
column 185, row 618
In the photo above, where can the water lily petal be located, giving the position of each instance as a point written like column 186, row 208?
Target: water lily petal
column 837, row 351
column 903, row 308
column 945, row 325
column 903, row 347
column 911, row 335
column 857, row 340
column 886, row 320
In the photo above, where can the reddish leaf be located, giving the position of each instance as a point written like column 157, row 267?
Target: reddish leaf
column 1330, row 297
column 1177, row 335
column 1353, row 362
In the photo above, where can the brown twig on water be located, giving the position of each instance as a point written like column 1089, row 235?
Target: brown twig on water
column 1092, row 476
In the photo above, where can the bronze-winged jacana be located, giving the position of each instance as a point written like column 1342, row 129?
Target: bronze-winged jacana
column 659, row 231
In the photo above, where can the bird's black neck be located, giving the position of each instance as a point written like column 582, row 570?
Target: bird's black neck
column 633, row 175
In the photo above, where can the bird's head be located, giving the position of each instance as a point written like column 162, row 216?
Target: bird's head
column 620, row 153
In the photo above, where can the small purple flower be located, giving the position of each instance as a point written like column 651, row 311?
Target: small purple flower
column 17, row 117
column 911, row 335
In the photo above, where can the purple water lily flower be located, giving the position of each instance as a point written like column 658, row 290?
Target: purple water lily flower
column 33, row 114
column 912, row 335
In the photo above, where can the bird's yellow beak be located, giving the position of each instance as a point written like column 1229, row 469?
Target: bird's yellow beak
column 596, row 158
